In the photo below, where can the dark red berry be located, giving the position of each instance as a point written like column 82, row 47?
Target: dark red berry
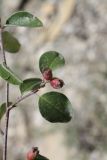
column 32, row 154
column 56, row 83
column 47, row 74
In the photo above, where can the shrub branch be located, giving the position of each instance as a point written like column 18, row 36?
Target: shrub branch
column 7, row 96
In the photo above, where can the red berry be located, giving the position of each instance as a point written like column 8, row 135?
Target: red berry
column 47, row 74
column 56, row 83
column 32, row 154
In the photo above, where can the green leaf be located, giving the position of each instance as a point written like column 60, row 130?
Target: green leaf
column 10, row 43
column 8, row 75
column 40, row 157
column 3, row 109
column 23, row 19
column 52, row 60
column 30, row 84
column 55, row 107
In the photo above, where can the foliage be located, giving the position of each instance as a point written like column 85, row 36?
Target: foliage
column 54, row 106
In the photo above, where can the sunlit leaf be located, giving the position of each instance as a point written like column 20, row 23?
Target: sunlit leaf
column 24, row 19
column 9, row 75
column 52, row 60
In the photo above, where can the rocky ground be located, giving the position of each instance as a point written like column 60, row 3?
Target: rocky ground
column 77, row 29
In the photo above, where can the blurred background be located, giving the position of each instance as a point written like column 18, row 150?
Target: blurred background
column 78, row 30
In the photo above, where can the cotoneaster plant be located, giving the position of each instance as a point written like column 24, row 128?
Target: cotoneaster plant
column 54, row 106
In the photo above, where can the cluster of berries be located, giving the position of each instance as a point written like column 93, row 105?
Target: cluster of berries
column 54, row 81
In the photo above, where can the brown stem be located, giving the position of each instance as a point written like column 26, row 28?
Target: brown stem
column 26, row 96
column 1, row 45
column 6, row 135
column 21, row 99
column 7, row 95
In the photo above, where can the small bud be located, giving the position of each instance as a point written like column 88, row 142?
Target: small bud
column 32, row 154
column 56, row 83
column 47, row 74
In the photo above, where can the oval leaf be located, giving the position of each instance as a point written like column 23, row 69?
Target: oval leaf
column 9, row 76
column 3, row 109
column 30, row 84
column 23, row 19
column 10, row 43
column 55, row 107
column 40, row 157
column 52, row 60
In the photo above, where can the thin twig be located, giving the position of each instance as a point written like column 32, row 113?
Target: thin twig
column 6, row 122
column 26, row 96
column 6, row 135
column 21, row 99
column 7, row 96
column 1, row 45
